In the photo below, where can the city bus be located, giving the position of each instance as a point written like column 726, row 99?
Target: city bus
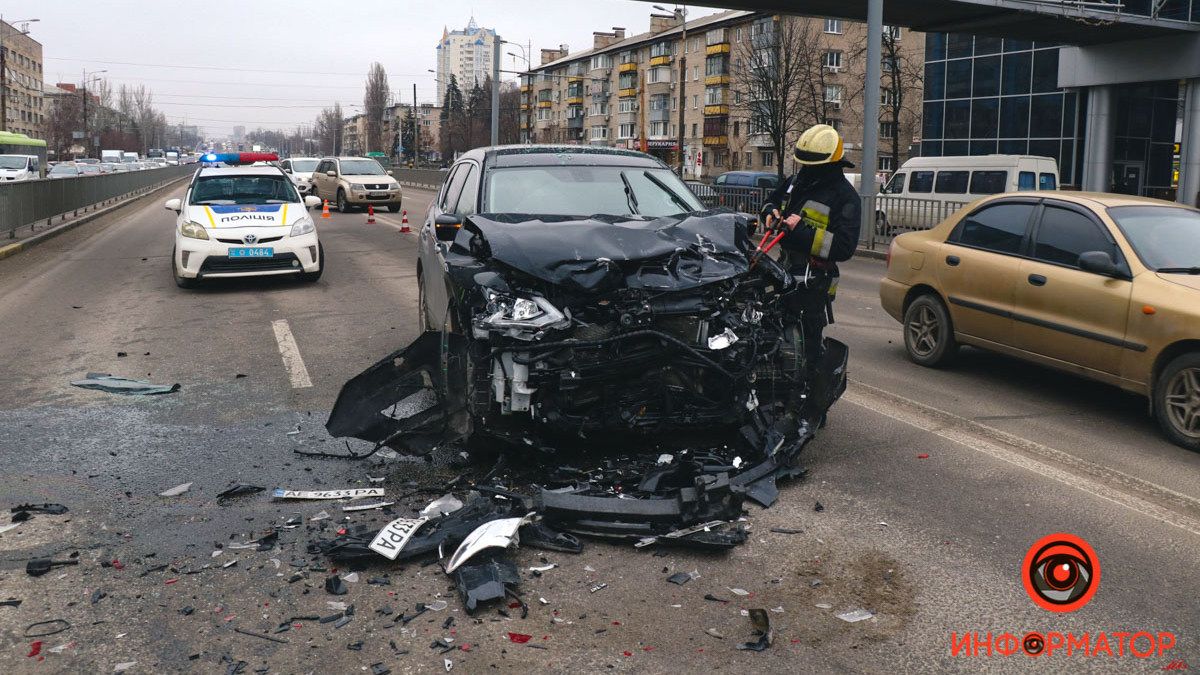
column 20, row 145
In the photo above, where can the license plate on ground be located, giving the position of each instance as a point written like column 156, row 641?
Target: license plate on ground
column 252, row 252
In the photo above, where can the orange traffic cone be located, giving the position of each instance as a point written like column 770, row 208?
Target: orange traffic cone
column 370, row 214
column 325, row 210
column 404, row 228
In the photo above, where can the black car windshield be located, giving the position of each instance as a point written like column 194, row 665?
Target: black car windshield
column 304, row 165
column 1164, row 237
column 361, row 167
column 243, row 190
column 588, row 190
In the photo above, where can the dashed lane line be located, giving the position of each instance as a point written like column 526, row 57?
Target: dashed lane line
column 292, row 361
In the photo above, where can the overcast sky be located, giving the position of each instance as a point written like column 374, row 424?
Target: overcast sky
column 274, row 64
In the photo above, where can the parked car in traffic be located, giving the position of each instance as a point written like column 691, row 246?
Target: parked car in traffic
column 64, row 170
column 300, row 169
column 1100, row 285
column 20, row 167
column 927, row 189
column 744, row 190
column 350, row 182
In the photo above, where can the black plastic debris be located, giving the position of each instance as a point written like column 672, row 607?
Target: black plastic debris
column 342, row 621
column 39, row 566
column 267, row 542
column 486, row 580
column 819, row 507
column 713, row 598
column 187, row 611
column 51, row 509
column 335, row 586
column 44, row 628
column 786, row 530
column 680, row 578
column 380, row 669
column 123, row 385
column 98, row 595
column 355, row 646
column 11, row 602
column 762, row 628
column 541, row 536
column 238, row 490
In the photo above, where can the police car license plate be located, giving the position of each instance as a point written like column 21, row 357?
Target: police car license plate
column 252, row 252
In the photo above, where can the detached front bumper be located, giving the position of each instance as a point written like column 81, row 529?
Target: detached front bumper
column 210, row 259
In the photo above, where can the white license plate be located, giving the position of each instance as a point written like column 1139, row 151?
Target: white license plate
column 393, row 537
column 378, row 195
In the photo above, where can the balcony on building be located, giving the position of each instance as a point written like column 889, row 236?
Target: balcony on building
column 716, row 41
column 716, row 70
column 661, row 53
column 716, row 130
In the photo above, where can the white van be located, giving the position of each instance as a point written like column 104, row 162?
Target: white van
column 19, row 167
column 928, row 189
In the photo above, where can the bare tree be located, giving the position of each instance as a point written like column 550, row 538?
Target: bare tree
column 328, row 130
column 903, row 74
column 375, row 102
column 779, row 80
column 65, row 117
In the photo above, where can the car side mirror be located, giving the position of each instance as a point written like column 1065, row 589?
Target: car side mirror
column 390, row 173
column 287, row 170
column 312, row 202
column 173, row 205
column 331, row 174
column 1098, row 262
column 447, row 226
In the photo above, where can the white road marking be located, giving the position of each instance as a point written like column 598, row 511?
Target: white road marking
column 1008, row 448
column 291, row 355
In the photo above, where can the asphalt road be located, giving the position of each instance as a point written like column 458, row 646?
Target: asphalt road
column 934, row 485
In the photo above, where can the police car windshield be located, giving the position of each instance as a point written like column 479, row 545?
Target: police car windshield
column 243, row 190
column 304, row 165
column 361, row 167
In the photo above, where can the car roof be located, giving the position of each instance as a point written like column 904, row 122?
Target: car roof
column 541, row 155
column 1095, row 200
column 264, row 170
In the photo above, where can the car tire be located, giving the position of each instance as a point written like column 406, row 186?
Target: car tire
column 1177, row 400
column 342, row 205
column 929, row 332
column 310, row 277
column 182, row 282
column 422, row 304
column 394, row 208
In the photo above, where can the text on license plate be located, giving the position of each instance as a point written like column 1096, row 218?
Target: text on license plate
column 252, row 252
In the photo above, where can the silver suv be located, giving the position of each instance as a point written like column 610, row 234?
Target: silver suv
column 355, row 181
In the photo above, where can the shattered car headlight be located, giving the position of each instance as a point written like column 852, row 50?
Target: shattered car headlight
column 302, row 226
column 521, row 318
column 524, row 310
column 193, row 230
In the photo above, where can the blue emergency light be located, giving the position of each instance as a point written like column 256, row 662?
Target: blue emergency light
column 237, row 158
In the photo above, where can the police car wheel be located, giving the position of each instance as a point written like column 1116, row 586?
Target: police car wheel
column 182, row 282
column 310, row 277
column 342, row 205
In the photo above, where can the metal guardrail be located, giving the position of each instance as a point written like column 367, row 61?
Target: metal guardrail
column 25, row 203
column 885, row 216
column 743, row 199
column 422, row 178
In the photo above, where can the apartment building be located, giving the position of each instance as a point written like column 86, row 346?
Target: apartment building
column 467, row 55
column 21, row 83
column 626, row 91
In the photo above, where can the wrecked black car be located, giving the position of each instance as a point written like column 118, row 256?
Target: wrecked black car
column 575, row 295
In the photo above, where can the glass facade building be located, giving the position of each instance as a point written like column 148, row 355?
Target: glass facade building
column 988, row 95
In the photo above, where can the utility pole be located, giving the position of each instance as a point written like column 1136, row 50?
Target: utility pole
column 495, row 88
column 870, row 150
column 681, row 12
column 87, row 138
column 416, row 132
column 3, row 81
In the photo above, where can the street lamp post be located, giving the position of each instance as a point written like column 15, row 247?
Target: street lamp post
column 4, row 72
column 681, row 14
column 528, row 111
column 87, row 138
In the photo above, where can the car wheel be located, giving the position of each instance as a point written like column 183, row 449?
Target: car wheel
column 1177, row 400
column 182, row 282
column 342, row 205
column 422, row 304
column 394, row 208
column 313, row 276
column 928, row 332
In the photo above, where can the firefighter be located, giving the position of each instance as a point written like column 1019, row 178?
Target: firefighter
column 821, row 211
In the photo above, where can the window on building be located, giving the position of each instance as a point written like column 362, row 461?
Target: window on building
column 695, row 101
column 833, row 60
column 1064, row 234
column 627, row 105
column 658, row 74
column 737, row 34
column 885, row 164
column 886, row 129
column 627, row 131
column 749, row 159
column 694, row 126
column 835, row 123
column 718, row 159
column 768, row 158
column 658, row 129
column 893, row 32
column 833, row 26
column 695, row 73
column 887, row 96
column 599, row 132
column 737, row 127
column 833, row 96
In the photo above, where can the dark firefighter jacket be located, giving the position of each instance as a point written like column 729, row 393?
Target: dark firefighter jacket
column 829, row 208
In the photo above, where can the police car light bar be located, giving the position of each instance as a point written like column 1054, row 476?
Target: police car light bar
column 236, row 158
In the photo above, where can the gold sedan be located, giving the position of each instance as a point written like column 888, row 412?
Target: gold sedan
column 1100, row 285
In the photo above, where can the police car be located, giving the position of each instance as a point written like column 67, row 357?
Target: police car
column 238, row 220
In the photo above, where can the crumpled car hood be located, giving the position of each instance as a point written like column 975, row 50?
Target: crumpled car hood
column 602, row 253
